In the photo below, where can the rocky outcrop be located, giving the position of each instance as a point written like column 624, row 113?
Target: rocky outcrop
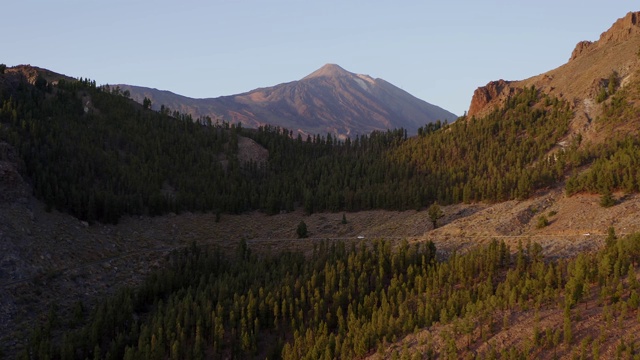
column 32, row 73
column 621, row 30
column 581, row 48
column 491, row 92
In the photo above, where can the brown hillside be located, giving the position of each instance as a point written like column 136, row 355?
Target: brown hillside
column 579, row 80
column 31, row 73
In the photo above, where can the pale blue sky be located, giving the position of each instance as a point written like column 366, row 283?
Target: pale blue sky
column 439, row 51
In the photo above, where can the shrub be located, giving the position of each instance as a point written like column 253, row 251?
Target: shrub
column 542, row 222
column 607, row 200
column 302, row 230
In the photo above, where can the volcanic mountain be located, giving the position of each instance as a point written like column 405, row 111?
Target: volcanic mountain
column 329, row 100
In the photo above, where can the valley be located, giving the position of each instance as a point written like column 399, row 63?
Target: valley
column 56, row 260
column 512, row 232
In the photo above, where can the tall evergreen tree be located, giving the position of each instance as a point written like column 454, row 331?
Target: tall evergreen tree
column 435, row 213
column 301, row 230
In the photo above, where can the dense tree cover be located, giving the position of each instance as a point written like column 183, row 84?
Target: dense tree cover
column 206, row 302
column 92, row 152
column 431, row 127
column 613, row 166
column 495, row 158
column 323, row 174
column 499, row 157
column 344, row 301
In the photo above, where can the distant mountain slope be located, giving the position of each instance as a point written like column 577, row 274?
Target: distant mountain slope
column 329, row 100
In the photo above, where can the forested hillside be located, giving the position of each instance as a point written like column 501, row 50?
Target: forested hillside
column 347, row 301
column 501, row 156
column 94, row 153
column 96, row 156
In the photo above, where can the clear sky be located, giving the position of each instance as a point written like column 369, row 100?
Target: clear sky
column 439, row 51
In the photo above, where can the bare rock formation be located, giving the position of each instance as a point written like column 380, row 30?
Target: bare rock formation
column 621, row 30
column 494, row 91
column 581, row 48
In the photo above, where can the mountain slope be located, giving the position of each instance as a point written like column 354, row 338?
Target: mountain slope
column 592, row 65
column 329, row 100
column 50, row 132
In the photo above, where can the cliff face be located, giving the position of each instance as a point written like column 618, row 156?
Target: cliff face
column 581, row 48
column 492, row 92
column 621, row 30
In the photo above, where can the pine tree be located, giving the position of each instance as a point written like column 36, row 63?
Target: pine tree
column 542, row 222
column 435, row 213
column 302, row 230
column 607, row 200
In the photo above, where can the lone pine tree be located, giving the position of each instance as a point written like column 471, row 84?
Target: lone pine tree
column 435, row 213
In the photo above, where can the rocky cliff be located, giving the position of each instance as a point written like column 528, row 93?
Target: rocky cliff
column 494, row 91
column 623, row 29
column 590, row 64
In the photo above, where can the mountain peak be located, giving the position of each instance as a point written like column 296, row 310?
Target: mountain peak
column 328, row 70
column 622, row 28
column 329, row 100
